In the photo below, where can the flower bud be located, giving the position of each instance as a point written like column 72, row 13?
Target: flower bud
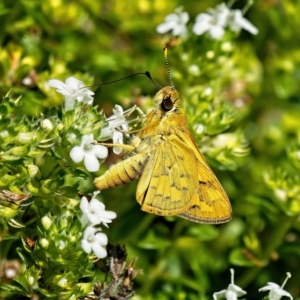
column 47, row 125
column 44, row 243
column 46, row 222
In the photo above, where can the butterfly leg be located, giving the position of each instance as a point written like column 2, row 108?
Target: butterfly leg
column 125, row 147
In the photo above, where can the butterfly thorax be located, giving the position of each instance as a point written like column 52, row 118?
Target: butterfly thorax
column 167, row 117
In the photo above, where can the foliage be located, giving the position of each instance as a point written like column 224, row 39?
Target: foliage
column 242, row 103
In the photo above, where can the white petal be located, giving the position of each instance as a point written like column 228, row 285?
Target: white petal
column 118, row 110
column 77, row 154
column 229, row 295
column 107, row 132
column 55, row 83
column 165, row 27
column 107, row 215
column 93, row 219
column 91, row 162
column 101, row 238
column 200, row 28
column 219, row 295
column 100, row 151
column 203, row 18
column 84, row 205
column 265, row 288
column 73, row 83
column 178, row 30
column 172, row 18
column 117, row 139
column 216, row 32
column 86, row 246
column 96, row 205
column 89, row 233
column 87, row 99
column 87, row 139
column 248, row 26
column 184, row 17
column 99, row 251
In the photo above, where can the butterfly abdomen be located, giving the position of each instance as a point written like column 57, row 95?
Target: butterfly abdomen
column 122, row 172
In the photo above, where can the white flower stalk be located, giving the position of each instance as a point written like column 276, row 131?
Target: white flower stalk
column 116, row 122
column 89, row 152
column 216, row 20
column 175, row 23
column 73, row 91
column 232, row 292
column 94, row 241
column 276, row 291
column 94, row 212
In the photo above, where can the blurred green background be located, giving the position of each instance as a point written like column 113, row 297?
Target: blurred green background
column 259, row 82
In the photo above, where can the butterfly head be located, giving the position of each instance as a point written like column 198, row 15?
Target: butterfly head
column 167, row 99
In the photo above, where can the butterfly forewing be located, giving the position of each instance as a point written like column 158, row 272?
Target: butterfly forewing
column 211, row 204
column 168, row 183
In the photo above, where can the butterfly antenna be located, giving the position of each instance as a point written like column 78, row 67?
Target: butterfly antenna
column 168, row 68
column 153, row 81
column 140, row 73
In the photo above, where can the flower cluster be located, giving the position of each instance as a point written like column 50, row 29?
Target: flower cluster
column 88, row 150
column 233, row 291
column 94, row 213
column 214, row 22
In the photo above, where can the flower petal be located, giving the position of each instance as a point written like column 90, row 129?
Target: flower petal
column 87, row 139
column 219, row 295
column 118, row 110
column 101, row 238
column 91, row 162
column 84, row 205
column 216, row 32
column 100, row 151
column 117, row 139
column 99, row 251
column 77, row 154
column 86, row 246
column 55, row 83
column 165, row 27
column 73, row 83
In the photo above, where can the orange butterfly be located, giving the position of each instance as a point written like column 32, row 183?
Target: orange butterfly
column 174, row 178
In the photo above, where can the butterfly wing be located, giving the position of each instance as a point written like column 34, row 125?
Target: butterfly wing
column 210, row 204
column 168, row 181
column 178, row 181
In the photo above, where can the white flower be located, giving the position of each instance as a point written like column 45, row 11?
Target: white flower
column 216, row 20
column 94, row 241
column 115, row 122
column 89, row 152
column 73, row 90
column 175, row 22
column 237, row 22
column 213, row 23
column 94, row 212
column 233, row 291
column 276, row 291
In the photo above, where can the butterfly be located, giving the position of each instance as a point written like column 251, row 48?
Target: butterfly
column 174, row 178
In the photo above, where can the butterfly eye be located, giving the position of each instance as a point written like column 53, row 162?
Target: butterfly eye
column 167, row 104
